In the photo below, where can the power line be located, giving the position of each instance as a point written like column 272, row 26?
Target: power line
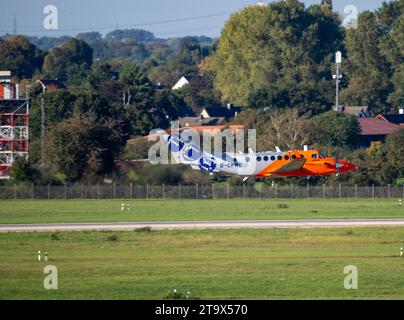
column 89, row 28
column 189, row 30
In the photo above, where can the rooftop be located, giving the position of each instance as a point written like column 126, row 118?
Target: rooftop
column 197, row 121
column 360, row 111
column 222, row 112
column 377, row 127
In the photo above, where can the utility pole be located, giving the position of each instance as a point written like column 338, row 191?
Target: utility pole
column 43, row 125
column 337, row 77
column 15, row 25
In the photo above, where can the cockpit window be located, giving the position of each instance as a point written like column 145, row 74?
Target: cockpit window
column 323, row 155
column 314, row 156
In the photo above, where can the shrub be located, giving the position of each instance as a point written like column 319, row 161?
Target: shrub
column 112, row 237
column 144, row 229
column 55, row 236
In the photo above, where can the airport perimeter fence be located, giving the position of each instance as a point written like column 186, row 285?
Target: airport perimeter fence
column 214, row 191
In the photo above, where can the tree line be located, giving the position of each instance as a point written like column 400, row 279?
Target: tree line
column 276, row 61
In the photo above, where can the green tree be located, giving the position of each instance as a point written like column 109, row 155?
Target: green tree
column 376, row 165
column 200, row 94
column 279, row 55
column 99, row 74
column 72, row 61
column 57, row 106
column 388, row 13
column 148, row 108
column 81, row 146
column 89, row 36
column 393, row 49
column 139, row 98
column 333, row 129
column 19, row 56
column 132, row 34
column 395, row 152
column 21, row 170
column 367, row 68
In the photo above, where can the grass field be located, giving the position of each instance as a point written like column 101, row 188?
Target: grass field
column 47, row 211
column 211, row 264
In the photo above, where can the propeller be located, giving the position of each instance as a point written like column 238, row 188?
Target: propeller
column 338, row 165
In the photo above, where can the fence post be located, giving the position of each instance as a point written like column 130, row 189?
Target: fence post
column 131, row 190
column 260, row 191
column 15, row 192
column 49, row 191
column 323, row 190
column 228, row 191
column 276, row 190
column 32, row 191
column 164, row 190
column 65, row 191
column 81, row 191
column 356, row 191
column 98, row 191
column 291, row 191
column 196, row 192
column 340, row 191
column 389, row 191
column 114, row 190
column 308, row 191
column 179, row 191
column 213, row 191
column 243, row 191
column 147, row 191
column 373, row 191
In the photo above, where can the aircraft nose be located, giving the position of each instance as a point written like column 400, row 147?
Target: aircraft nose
column 345, row 166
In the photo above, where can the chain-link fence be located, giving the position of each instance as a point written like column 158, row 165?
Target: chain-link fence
column 214, row 191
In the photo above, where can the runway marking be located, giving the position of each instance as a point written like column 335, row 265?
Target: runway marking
column 221, row 224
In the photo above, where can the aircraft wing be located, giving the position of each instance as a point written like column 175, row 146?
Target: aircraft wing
column 292, row 165
column 277, row 168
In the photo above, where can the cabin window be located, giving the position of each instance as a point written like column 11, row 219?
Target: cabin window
column 259, row 159
column 247, row 159
column 293, row 157
column 286, row 157
column 314, row 156
column 279, row 157
column 273, row 158
column 266, row 158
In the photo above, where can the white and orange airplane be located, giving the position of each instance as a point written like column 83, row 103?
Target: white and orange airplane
column 277, row 164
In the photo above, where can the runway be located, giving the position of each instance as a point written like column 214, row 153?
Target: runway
column 230, row 224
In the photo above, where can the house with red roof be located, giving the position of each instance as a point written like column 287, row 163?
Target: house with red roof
column 375, row 129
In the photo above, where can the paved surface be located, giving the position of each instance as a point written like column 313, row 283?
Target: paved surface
column 320, row 223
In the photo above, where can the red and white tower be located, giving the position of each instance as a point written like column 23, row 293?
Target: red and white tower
column 14, row 123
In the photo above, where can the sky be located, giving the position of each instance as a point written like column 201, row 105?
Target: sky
column 165, row 18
